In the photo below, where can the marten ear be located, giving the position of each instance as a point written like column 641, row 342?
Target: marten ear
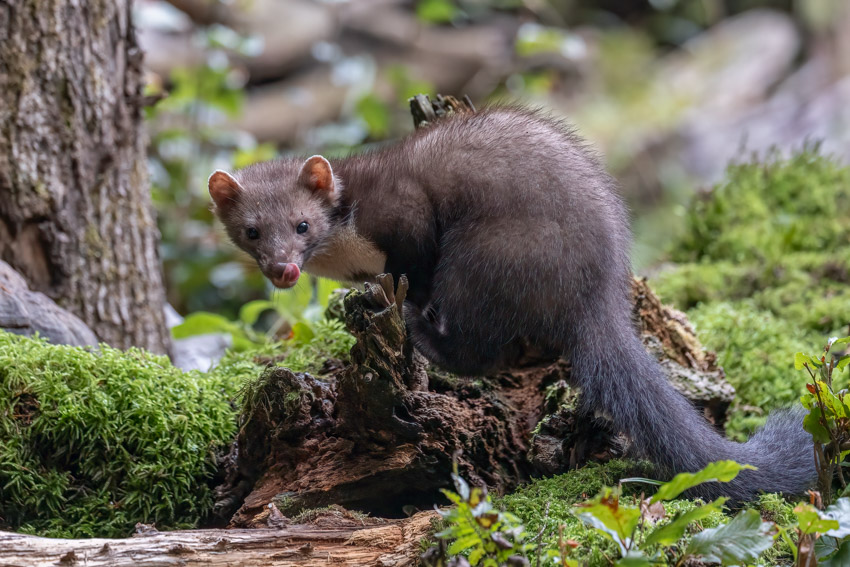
column 317, row 175
column 224, row 189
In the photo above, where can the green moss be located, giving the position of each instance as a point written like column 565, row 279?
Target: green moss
column 92, row 442
column 560, row 493
column 764, row 273
column 326, row 339
column 768, row 210
column 774, row 508
column 756, row 349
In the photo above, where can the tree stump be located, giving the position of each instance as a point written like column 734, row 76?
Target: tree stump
column 381, row 434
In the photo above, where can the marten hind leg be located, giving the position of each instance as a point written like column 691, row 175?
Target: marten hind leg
column 441, row 340
column 458, row 348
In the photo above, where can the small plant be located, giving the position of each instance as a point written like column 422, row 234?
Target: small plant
column 822, row 536
column 828, row 419
column 643, row 531
column 492, row 538
column 642, row 540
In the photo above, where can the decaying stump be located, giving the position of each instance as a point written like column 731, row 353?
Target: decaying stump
column 565, row 439
column 380, row 435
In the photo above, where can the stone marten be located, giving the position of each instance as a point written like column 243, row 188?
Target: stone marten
column 507, row 227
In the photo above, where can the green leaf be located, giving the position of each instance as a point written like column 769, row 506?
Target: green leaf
column 634, row 558
column 809, row 520
column 251, row 311
column 464, row 543
column 843, row 362
column 436, row 11
column 601, row 527
column 302, row 332
column 840, row 558
column 607, row 515
column 375, row 114
column 841, row 341
column 740, row 541
column 840, row 512
column 202, row 323
column 671, row 533
column 720, row 471
column 812, row 424
column 800, row 360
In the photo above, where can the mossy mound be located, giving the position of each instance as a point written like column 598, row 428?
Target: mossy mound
column 764, row 268
column 767, row 210
column 93, row 441
column 546, row 504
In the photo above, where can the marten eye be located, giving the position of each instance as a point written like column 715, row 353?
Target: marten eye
column 252, row 233
column 302, row 228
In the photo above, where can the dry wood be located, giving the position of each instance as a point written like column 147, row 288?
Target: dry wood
column 327, row 541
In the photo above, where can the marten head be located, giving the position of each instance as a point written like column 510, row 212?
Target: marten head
column 278, row 212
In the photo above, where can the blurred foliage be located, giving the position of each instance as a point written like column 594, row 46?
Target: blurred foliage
column 616, row 105
column 766, row 211
column 764, row 267
column 187, row 143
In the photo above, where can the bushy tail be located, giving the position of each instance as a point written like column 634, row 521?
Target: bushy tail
column 622, row 380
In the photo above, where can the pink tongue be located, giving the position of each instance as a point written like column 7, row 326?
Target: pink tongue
column 291, row 273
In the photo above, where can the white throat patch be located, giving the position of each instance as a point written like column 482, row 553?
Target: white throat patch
column 345, row 256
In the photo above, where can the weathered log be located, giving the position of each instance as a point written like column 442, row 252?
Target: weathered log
column 331, row 538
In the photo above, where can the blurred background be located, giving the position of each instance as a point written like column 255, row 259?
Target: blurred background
column 668, row 91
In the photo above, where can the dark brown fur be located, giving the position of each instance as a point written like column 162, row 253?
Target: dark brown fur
column 507, row 226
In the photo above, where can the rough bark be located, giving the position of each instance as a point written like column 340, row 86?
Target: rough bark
column 75, row 211
column 380, row 434
column 330, row 539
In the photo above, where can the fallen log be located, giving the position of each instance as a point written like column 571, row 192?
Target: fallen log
column 333, row 538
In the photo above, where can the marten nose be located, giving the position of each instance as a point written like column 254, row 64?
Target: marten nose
column 285, row 275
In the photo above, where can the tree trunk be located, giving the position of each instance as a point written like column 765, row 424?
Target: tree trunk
column 75, row 211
